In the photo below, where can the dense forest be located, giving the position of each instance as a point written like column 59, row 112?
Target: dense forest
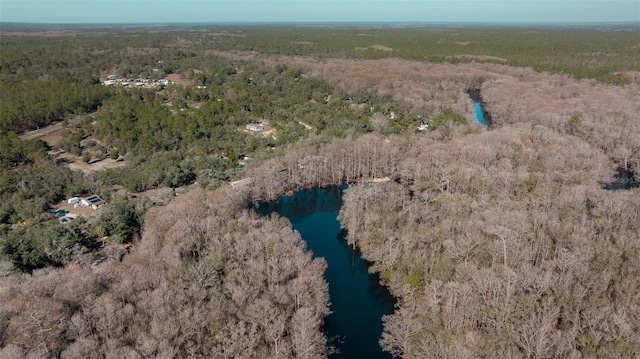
column 556, row 49
column 515, row 241
column 207, row 279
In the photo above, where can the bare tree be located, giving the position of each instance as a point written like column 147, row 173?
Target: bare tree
column 379, row 122
column 307, row 341
column 399, row 329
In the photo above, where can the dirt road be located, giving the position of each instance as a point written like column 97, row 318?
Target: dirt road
column 32, row 135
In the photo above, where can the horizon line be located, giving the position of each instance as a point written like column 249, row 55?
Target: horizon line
column 382, row 22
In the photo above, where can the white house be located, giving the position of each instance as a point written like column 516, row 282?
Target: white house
column 94, row 201
column 257, row 127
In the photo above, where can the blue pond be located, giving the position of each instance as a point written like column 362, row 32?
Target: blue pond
column 357, row 300
column 477, row 109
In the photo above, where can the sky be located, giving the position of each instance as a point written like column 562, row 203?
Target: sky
column 350, row 11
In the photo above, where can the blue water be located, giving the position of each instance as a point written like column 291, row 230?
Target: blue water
column 357, row 300
column 477, row 109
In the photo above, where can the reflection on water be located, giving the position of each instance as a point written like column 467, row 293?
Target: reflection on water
column 357, row 300
column 306, row 202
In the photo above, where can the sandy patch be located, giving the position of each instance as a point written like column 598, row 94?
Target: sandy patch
column 96, row 165
column 179, row 80
column 375, row 47
column 75, row 212
column 306, row 43
column 381, row 48
column 75, row 163
column 481, row 57
column 634, row 76
column 53, row 138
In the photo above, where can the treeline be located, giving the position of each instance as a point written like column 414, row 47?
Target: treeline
column 320, row 161
column 43, row 242
column 554, row 49
column 207, row 279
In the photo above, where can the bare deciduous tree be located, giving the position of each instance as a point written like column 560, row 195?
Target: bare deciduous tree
column 399, row 328
column 307, row 341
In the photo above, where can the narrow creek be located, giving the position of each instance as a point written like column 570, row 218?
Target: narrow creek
column 477, row 109
column 482, row 116
column 357, row 300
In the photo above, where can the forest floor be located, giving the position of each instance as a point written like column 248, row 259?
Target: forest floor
column 94, row 165
column 52, row 136
column 179, row 80
column 76, row 163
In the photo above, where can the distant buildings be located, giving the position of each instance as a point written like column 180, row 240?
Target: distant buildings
column 139, row 82
column 256, row 127
column 65, row 216
column 262, row 127
column 92, row 201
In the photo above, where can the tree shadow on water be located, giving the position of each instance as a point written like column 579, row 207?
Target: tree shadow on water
column 623, row 179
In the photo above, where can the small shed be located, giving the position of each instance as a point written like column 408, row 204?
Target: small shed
column 94, row 201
